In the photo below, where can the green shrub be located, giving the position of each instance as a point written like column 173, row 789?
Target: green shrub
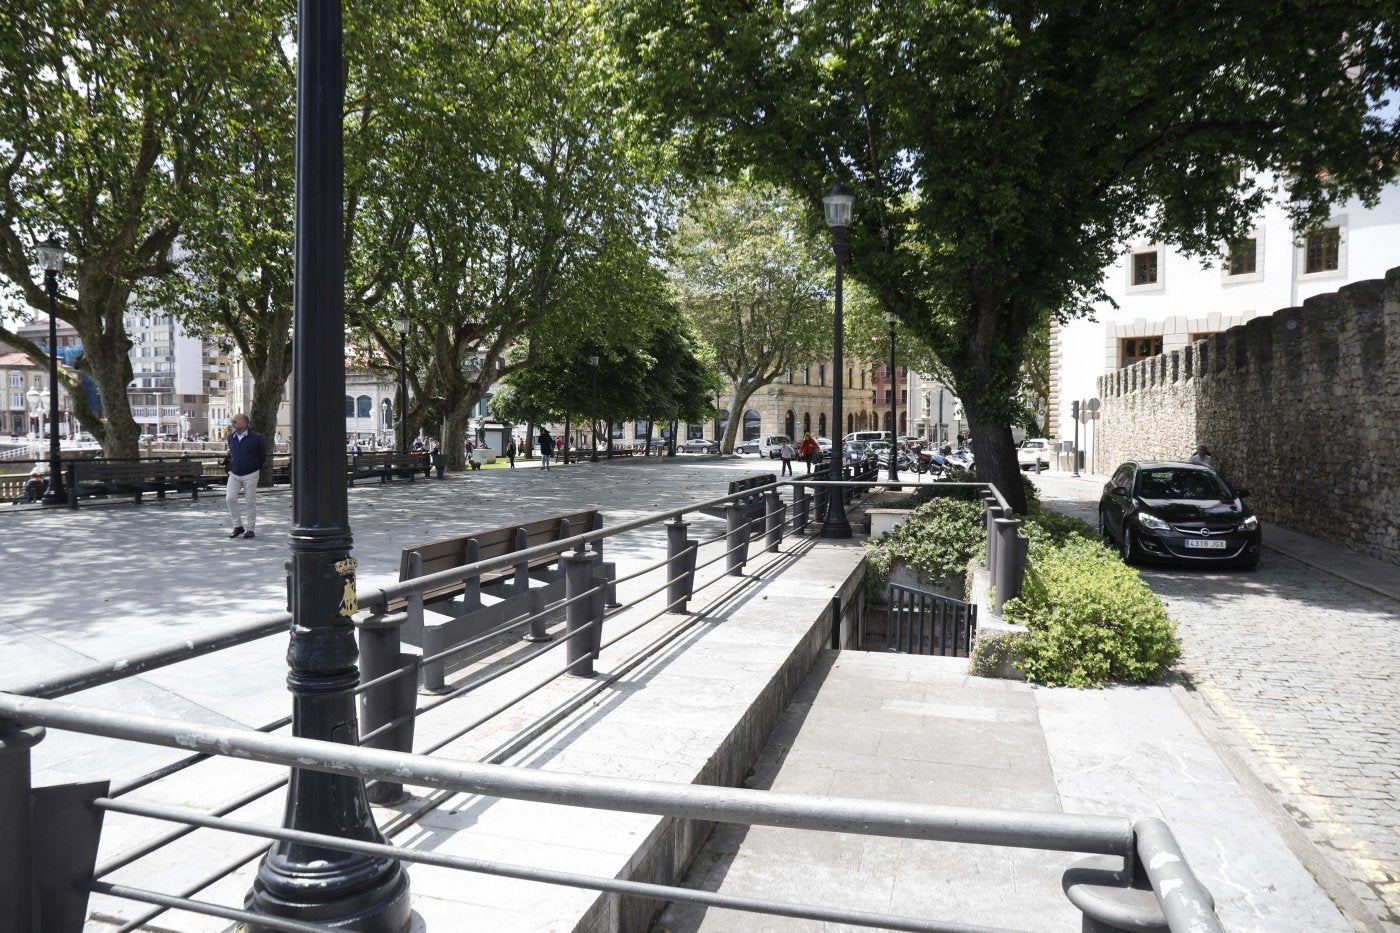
column 1090, row 618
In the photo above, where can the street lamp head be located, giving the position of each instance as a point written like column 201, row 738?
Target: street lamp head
column 35, row 398
column 837, row 203
column 593, row 361
column 891, row 318
column 401, row 325
column 51, row 254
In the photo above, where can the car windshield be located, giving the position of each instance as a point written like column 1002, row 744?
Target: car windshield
column 1173, row 483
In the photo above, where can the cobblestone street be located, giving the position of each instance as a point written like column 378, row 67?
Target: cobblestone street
column 1299, row 666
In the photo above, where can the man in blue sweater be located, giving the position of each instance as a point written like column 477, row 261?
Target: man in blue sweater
column 246, row 453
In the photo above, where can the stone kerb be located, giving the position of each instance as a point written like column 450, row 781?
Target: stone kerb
column 1302, row 407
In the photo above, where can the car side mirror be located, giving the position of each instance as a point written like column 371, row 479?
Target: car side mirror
column 1120, row 491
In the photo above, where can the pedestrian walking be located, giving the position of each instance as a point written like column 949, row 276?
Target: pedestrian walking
column 510, row 453
column 808, row 450
column 246, row 455
column 786, row 453
column 546, row 448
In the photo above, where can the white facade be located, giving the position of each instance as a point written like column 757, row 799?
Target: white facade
column 1189, row 299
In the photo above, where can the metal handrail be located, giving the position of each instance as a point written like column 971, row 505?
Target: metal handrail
column 1099, row 835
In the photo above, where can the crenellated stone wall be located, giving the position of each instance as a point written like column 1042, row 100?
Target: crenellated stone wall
column 1302, row 408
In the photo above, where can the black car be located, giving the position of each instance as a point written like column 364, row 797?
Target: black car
column 1166, row 510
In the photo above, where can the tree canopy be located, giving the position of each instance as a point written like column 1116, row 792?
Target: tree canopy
column 1001, row 154
column 754, row 282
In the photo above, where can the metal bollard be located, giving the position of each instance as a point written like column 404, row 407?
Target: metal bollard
column 1007, row 578
column 389, row 701
column 993, row 512
column 774, row 513
column 578, row 578
column 680, row 579
column 737, row 540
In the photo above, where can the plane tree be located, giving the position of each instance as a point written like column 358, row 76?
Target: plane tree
column 106, row 115
column 1002, row 154
column 755, row 284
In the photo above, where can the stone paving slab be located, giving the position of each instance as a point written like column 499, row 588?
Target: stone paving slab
column 1116, row 752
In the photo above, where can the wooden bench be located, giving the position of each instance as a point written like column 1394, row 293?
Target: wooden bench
column 754, row 506
column 456, row 611
column 107, row 478
column 385, row 465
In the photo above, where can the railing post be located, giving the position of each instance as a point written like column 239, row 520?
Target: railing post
column 737, row 539
column 16, row 839
column 823, row 492
column 1007, row 576
column 993, row 512
column 836, row 623
column 391, row 700
column 774, row 513
column 680, row 566
column 801, row 503
column 578, row 579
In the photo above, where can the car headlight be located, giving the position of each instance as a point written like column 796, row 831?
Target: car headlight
column 1152, row 522
column 1250, row 523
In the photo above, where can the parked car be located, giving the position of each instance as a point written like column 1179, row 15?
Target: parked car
column 1034, row 453
column 1172, row 510
column 772, row 445
column 747, row 447
column 699, row 445
column 867, row 436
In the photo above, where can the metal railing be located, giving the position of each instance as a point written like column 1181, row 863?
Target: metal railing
column 390, row 764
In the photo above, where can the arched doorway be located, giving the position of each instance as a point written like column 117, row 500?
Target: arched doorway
column 807, row 422
column 790, row 424
column 821, row 425
column 753, row 425
column 889, row 422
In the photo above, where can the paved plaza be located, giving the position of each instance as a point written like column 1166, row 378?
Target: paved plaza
column 1280, row 739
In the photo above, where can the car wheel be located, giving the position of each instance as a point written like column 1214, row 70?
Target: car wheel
column 1103, row 526
column 1125, row 549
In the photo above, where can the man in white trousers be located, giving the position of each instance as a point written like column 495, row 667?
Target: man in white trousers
column 246, row 453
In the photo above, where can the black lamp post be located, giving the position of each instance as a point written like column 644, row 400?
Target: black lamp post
column 51, row 258
column 837, row 203
column 593, row 426
column 891, row 320
column 401, row 325
column 299, row 880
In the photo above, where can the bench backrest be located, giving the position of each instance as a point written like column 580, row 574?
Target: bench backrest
column 448, row 553
column 751, row 482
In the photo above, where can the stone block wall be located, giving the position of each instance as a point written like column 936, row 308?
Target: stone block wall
column 1302, row 408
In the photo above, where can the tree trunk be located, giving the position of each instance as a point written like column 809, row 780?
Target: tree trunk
column 453, row 441
column 568, row 441
column 107, row 361
column 742, row 394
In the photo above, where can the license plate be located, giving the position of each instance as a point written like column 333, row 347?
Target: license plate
column 1206, row 544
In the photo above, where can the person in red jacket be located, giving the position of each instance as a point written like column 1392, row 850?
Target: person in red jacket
column 808, row 450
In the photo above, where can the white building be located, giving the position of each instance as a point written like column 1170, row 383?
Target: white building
column 1166, row 300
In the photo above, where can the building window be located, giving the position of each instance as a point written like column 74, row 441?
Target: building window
column 16, row 381
column 349, row 407
column 1145, row 268
column 789, row 376
column 821, row 375
column 1244, row 257
column 889, row 396
column 1323, row 250
column 365, row 406
column 1140, row 348
column 821, row 425
column 753, row 425
column 904, row 396
column 639, row 429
